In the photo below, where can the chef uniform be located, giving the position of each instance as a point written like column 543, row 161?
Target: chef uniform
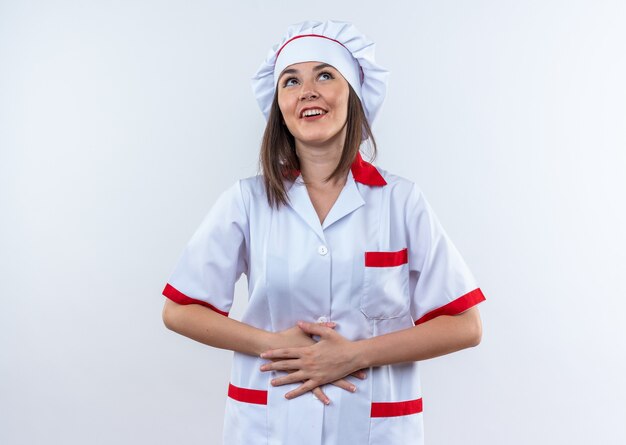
column 380, row 262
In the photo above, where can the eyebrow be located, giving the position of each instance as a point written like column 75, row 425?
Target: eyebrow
column 295, row 71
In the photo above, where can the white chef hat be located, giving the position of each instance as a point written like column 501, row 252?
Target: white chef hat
column 339, row 44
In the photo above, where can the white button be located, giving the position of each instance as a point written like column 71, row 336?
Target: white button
column 322, row 319
column 322, row 250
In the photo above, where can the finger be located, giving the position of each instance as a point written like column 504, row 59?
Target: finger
column 314, row 328
column 294, row 377
column 281, row 365
column 281, row 353
column 344, row 384
column 307, row 386
column 360, row 374
column 319, row 395
column 328, row 324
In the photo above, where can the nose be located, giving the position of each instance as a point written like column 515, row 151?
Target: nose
column 308, row 92
column 308, row 95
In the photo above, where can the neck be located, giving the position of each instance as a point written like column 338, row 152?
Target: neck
column 318, row 162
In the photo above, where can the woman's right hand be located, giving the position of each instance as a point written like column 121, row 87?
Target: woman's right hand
column 294, row 337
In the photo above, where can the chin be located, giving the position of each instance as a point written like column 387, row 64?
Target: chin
column 316, row 139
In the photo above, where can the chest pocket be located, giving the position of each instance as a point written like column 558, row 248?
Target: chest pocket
column 385, row 285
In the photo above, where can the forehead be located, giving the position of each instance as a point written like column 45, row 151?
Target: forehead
column 306, row 66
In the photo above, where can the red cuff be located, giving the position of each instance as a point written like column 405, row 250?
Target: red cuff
column 455, row 307
column 178, row 297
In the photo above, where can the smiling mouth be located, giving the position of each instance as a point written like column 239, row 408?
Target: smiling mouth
column 312, row 112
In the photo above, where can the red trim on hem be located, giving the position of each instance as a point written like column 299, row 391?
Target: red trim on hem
column 246, row 395
column 177, row 296
column 395, row 409
column 455, row 307
column 378, row 409
column 386, row 259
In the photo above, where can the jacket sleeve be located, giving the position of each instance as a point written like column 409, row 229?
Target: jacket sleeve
column 440, row 282
column 214, row 258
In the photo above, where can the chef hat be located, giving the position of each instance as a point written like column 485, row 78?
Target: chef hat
column 339, row 44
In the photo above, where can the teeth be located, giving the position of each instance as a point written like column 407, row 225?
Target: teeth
column 313, row 112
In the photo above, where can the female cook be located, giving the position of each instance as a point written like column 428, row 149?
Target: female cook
column 352, row 280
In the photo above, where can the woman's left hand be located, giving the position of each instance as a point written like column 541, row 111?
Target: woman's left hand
column 332, row 358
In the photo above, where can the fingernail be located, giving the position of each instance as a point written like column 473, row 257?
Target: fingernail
column 263, row 355
column 353, row 388
column 327, row 402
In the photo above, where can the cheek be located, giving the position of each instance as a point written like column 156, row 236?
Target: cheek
column 285, row 103
column 281, row 107
column 342, row 106
column 342, row 102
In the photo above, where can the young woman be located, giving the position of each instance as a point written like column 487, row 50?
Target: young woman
column 352, row 280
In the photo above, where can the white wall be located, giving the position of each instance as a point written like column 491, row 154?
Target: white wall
column 121, row 122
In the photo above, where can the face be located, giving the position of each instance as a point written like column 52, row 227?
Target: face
column 313, row 99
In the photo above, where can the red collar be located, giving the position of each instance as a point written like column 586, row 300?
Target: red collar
column 366, row 173
column 363, row 172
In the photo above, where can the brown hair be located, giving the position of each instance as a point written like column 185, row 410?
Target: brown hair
column 278, row 159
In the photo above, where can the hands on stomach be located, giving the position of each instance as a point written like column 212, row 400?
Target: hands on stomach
column 328, row 360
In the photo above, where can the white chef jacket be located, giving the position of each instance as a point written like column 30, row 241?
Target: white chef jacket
column 380, row 262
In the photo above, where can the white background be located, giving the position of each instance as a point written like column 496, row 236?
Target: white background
column 122, row 121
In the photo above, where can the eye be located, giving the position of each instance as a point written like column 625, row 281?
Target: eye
column 290, row 82
column 326, row 75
